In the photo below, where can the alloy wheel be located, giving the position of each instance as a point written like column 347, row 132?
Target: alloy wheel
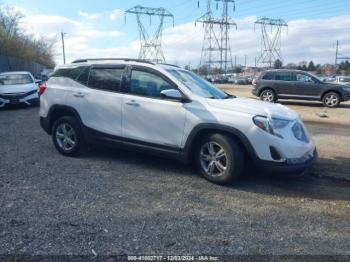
column 331, row 100
column 268, row 96
column 213, row 159
column 66, row 136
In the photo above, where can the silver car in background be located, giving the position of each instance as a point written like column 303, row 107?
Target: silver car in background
column 344, row 80
column 18, row 88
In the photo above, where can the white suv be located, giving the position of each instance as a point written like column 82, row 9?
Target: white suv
column 164, row 109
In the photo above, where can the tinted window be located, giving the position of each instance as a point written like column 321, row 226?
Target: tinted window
column 147, row 84
column 84, row 75
column 268, row 76
column 63, row 72
column 106, row 78
column 284, row 76
column 72, row 73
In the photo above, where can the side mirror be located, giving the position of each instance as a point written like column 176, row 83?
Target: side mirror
column 173, row 94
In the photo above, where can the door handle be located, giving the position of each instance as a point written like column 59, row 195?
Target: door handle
column 132, row 103
column 79, row 94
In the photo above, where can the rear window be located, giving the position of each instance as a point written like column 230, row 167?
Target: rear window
column 15, row 79
column 80, row 73
column 108, row 79
column 268, row 76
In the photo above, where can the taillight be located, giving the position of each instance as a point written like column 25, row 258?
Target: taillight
column 42, row 88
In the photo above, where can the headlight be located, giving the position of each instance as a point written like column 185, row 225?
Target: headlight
column 299, row 132
column 270, row 126
column 346, row 89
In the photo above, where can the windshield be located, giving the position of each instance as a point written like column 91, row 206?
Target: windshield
column 15, row 79
column 198, row 85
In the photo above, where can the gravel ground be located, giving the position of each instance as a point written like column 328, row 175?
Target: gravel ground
column 115, row 202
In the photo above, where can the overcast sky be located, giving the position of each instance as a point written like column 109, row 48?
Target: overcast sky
column 98, row 28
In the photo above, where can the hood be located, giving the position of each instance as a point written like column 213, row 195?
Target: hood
column 254, row 107
column 6, row 89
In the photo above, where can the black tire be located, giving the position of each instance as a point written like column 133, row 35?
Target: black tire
column 331, row 99
column 79, row 138
column 234, row 158
column 268, row 95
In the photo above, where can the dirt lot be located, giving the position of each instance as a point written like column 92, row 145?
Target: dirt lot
column 113, row 202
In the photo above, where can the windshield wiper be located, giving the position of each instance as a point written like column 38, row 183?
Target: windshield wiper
column 228, row 96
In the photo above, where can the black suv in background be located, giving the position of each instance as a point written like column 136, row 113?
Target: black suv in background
column 295, row 84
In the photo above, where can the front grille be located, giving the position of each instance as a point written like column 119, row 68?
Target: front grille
column 303, row 159
column 17, row 95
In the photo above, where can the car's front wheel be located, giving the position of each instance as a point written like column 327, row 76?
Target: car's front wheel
column 219, row 158
column 331, row 99
column 268, row 95
column 67, row 136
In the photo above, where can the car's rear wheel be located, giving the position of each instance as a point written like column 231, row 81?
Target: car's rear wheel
column 268, row 95
column 67, row 136
column 219, row 158
column 331, row 99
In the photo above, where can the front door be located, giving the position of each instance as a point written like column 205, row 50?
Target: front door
column 306, row 86
column 146, row 116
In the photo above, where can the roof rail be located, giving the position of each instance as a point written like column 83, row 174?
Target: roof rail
column 112, row 59
column 168, row 65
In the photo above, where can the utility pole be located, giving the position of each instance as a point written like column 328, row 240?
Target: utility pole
column 338, row 56
column 270, row 41
column 245, row 61
column 63, row 48
column 151, row 46
column 336, row 52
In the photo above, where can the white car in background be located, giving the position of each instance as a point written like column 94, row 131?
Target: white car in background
column 17, row 88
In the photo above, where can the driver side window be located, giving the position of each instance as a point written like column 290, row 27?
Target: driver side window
column 147, row 84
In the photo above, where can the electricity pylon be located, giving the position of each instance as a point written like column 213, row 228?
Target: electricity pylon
column 271, row 31
column 151, row 45
column 216, row 50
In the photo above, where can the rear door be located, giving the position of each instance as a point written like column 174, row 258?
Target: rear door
column 100, row 102
column 283, row 83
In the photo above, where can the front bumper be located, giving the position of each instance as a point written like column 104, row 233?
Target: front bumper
column 28, row 98
column 289, row 166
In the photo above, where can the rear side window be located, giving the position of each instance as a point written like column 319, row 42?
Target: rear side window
column 84, row 76
column 284, row 76
column 268, row 76
column 79, row 74
column 108, row 79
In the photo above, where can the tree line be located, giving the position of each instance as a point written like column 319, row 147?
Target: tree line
column 14, row 42
column 342, row 68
